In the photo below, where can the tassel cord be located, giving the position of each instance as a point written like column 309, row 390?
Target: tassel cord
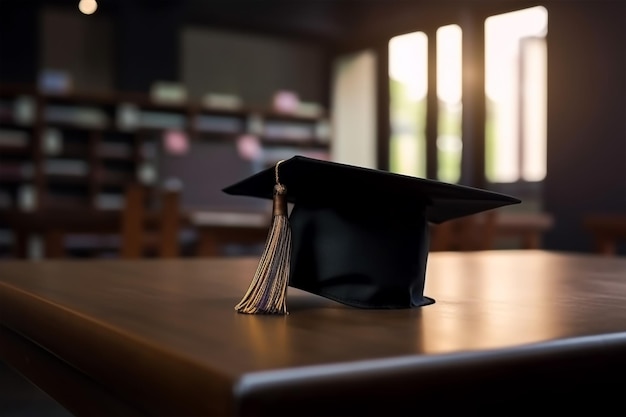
column 267, row 292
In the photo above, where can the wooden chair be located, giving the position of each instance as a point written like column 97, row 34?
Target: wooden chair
column 607, row 231
column 146, row 231
column 469, row 233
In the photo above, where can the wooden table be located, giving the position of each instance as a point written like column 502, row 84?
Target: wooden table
column 511, row 333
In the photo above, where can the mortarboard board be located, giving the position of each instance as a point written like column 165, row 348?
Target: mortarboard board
column 355, row 235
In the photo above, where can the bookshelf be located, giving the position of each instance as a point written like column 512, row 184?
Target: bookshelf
column 80, row 150
column 20, row 157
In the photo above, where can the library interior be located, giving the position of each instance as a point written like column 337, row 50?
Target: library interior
column 124, row 122
column 191, row 97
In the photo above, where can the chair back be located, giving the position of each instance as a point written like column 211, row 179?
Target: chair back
column 146, row 229
column 469, row 233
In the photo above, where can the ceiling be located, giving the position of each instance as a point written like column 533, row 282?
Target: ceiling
column 324, row 21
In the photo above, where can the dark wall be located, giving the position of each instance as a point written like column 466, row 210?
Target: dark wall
column 19, row 35
column 129, row 45
column 586, row 110
column 252, row 67
column 147, row 43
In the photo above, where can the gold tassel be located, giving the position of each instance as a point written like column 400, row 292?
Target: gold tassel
column 267, row 293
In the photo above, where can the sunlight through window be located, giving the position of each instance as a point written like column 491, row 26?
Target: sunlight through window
column 449, row 93
column 408, row 85
column 515, row 87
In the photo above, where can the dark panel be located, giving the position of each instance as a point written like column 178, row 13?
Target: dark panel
column 147, row 43
column 19, row 49
column 586, row 129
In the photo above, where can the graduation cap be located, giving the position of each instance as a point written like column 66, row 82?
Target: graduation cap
column 355, row 235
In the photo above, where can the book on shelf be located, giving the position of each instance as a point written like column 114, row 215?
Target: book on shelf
column 161, row 120
column 24, row 110
column 285, row 101
column 168, row 92
column 52, row 141
column 27, row 197
column 147, row 173
column 309, row 109
column 323, row 131
column 54, row 81
column 288, row 131
column 84, row 116
column 222, row 101
column 20, row 111
column 255, row 124
column 14, row 138
column 66, row 167
column 127, row 116
column 218, row 124
column 109, row 201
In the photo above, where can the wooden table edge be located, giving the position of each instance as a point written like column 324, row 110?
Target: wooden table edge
column 422, row 378
column 125, row 363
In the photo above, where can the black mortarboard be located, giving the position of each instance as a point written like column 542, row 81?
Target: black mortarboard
column 356, row 235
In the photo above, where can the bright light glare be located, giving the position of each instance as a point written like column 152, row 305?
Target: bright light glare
column 87, row 6
column 515, row 84
column 502, row 35
column 408, row 58
column 449, row 65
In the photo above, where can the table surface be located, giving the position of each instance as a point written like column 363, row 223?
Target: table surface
column 163, row 334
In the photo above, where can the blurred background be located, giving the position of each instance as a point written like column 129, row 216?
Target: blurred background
column 122, row 120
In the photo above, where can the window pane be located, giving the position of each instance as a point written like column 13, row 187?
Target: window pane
column 408, row 85
column 515, row 88
column 449, row 93
column 534, row 112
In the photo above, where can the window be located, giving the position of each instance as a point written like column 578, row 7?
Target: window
column 408, row 86
column 515, row 96
column 408, row 78
column 449, row 94
column 515, row 88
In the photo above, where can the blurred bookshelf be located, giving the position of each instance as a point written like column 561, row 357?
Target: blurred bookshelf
column 92, row 142
column 80, row 150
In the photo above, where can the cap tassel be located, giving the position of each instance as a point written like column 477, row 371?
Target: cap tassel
column 267, row 293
